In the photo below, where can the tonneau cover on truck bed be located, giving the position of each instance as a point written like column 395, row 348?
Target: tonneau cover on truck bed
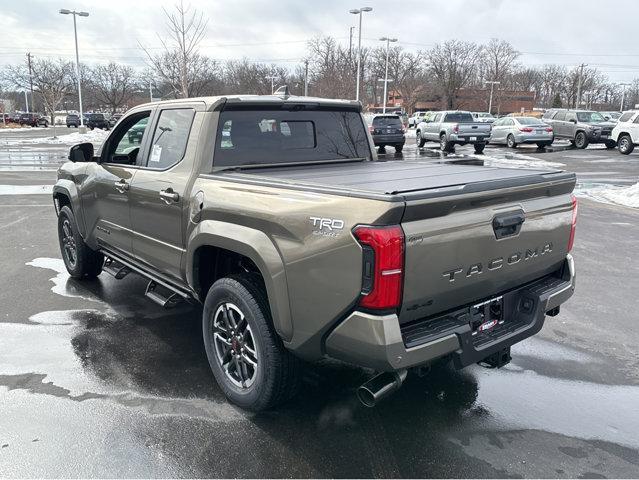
column 403, row 179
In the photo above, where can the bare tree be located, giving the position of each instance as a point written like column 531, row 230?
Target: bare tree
column 181, row 65
column 453, row 65
column 113, row 85
column 52, row 80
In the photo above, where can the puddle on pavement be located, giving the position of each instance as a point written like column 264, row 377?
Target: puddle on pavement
column 157, row 363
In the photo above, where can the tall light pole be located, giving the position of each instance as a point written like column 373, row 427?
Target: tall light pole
column 388, row 42
column 64, row 11
column 272, row 78
column 623, row 94
column 579, row 79
column 492, row 86
column 359, row 11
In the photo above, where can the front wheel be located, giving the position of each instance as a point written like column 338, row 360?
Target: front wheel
column 610, row 144
column 581, row 140
column 79, row 259
column 418, row 138
column 625, row 145
column 248, row 359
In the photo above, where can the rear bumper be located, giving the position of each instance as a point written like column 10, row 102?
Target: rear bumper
column 466, row 138
column 532, row 138
column 397, row 139
column 379, row 342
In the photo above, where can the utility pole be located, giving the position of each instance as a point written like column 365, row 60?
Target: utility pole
column 359, row 11
column 306, row 78
column 492, row 86
column 623, row 94
column 30, row 79
column 581, row 74
column 388, row 41
column 350, row 41
column 272, row 79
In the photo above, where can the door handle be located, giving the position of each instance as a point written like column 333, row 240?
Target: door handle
column 169, row 196
column 121, row 185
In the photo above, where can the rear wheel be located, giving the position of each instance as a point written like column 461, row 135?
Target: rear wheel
column 479, row 147
column 543, row 144
column 249, row 361
column 399, row 148
column 419, row 140
column 79, row 259
column 581, row 140
column 510, row 141
column 625, row 145
column 611, row 144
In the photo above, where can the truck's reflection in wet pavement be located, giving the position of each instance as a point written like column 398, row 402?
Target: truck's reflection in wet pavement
column 123, row 388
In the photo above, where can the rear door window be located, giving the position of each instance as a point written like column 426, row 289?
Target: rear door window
column 561, row 116
column 170, row 138
column 258, row 137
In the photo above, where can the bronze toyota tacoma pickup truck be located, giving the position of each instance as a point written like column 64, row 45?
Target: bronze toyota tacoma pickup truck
column 275, row 213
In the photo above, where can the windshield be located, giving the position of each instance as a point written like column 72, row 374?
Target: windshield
column 589, row 117
column 254, row 137
column 460, row 117
column 485, row 115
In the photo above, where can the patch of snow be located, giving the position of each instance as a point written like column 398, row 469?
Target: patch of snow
column 411, row 133
column 627, row 196
column 94, row 136
column 26, row 189
column 61, row 286
column 14, row 129
column 517, row 161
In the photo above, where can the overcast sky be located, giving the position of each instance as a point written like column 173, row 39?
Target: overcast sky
column 599, row 33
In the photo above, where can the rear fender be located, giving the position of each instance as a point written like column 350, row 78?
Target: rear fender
column 257, row 246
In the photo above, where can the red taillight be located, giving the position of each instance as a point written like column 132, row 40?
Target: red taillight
column 526, row 129
column 456, row 128
column 573, row 225
column 383, row 266
column 549, row 129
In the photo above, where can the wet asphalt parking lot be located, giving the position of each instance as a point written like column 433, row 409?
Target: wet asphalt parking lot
column 95, row 380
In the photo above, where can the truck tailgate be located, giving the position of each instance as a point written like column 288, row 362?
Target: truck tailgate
column 473, row 128
column 468, row 243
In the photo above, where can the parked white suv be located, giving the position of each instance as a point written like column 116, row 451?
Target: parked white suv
column 626, row 132
column 415, row 118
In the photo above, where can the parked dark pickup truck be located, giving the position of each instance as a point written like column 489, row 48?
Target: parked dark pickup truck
column 274, row 212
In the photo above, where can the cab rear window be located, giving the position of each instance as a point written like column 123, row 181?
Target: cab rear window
column 264, row 137
column 459, row 118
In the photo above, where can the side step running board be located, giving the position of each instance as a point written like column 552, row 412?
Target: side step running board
column 161, row 295
column 115, row 268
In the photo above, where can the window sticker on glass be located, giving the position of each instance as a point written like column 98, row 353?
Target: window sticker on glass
column 156, row 154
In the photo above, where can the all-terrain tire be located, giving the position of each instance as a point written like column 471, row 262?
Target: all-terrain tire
column 625, row 145
column 581, row 140
column 418, row 138
column 79, row 259
column 277, row 376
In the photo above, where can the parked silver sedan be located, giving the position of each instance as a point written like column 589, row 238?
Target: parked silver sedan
column 512, row 131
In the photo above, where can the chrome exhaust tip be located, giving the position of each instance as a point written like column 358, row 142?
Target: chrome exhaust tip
column 380, row 386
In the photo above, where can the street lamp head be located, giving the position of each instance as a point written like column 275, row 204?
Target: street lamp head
column 64, row 11
column 366, row 9
column 354, row 11
column 392, row 39
column 383, row 39
column 83, row 14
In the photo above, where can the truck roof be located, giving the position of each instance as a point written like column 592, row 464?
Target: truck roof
column 218, row 102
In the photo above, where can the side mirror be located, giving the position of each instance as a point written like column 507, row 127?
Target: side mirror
column 82, row 152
